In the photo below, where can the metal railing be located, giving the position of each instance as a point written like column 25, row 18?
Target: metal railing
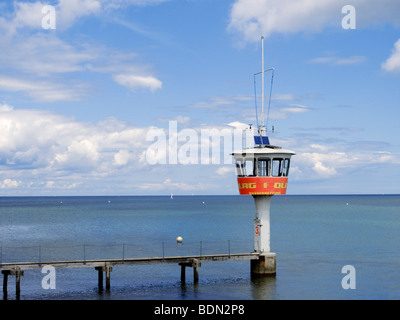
column 84, row 252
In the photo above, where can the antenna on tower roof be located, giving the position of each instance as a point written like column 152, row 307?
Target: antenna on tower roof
column 262, row 139
column 262, row 82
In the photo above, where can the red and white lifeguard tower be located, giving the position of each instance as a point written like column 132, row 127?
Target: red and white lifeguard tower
column 262, row 171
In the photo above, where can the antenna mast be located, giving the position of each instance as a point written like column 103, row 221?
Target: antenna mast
column 262, row 130
column 262, row 84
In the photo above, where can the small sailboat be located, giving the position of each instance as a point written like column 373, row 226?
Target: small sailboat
column 172, row 195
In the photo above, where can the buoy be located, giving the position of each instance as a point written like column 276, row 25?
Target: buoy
column 179, row 240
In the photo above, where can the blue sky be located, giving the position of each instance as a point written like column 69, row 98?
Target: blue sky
column 77, row 102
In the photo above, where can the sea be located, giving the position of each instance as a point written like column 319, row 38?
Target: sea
column 328, row 247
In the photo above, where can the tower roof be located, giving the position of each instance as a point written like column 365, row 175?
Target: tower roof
column 263, row 150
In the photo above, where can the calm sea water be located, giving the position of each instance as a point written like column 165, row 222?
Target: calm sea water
column 313, row 236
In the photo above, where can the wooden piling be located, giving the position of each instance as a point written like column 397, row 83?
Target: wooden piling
column 183, row 272
column 195, row 275
column 107, row 269
column 108, row 273
column 100, row 278
column 193, row 263
column 5, row 280
column 18, row 275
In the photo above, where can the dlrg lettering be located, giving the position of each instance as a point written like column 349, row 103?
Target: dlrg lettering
column 253, row 185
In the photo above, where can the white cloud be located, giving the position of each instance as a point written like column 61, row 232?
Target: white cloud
column 45, row 54
column 251, row 19
column 139, row 2
column 43, row 91
column 133, row 82
column 223, row 171
column 283, row 96
column 41, row 151
column 30, row 15
column 70, row 10
column 26, row 14
column 336, row 61
column 182, row 119
column 49, row 184
column 170, row 185
column 285, row 111
column 317, row 161
column 46, row 152
column 32, row 61
column 60, row 185
column 37, row 61
column 80, row 153
column 33, row 141
column 9, row 184
column 5, row 107
column 220, row 102
column 296, row 108
column 323, row 171
column 392, row 64
column 319, row 147
column 179, row 119
column 116, row 4
column 237, row 106
column 122, row 157
column 238, row 125
column 263, row 17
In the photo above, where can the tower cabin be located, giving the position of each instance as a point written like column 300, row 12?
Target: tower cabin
column 263, row 169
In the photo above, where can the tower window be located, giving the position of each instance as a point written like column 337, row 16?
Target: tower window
column 263, row 168
column 286, row 167
column 277, row 167
column 240, row 168
column 249, row 166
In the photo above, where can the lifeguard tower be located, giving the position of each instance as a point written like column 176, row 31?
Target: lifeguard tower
column 262, row 171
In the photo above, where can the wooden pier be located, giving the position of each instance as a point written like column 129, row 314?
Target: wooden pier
column 17, row 268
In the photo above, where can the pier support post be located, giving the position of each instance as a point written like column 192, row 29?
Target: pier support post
column 5, row 281
column 108, row 274
column 100, row 278
column 107, row 269
column 264, row 265
column 17, row 273
column 183, row 272
column 195, row 264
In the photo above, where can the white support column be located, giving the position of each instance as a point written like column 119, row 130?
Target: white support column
column 266, row 263
column 262, row 224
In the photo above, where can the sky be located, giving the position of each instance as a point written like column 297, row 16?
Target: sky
column 124, row 97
